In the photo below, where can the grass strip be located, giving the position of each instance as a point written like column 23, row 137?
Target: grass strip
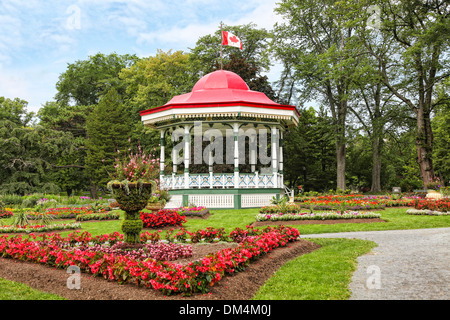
column 324, row 274
column 10, row 290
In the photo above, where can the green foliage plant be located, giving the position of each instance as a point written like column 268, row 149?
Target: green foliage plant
column 20, row 217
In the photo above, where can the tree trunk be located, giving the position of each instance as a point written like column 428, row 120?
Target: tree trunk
column 424, row 145
column 93, row 189
column 340, row 157
column 340, row 143
column 376, row 165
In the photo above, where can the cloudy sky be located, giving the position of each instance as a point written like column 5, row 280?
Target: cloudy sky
column 39, row 38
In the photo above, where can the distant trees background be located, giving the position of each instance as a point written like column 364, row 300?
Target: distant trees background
column 371, row 80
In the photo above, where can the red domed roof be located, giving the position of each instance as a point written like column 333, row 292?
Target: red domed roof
column 220, row 87
column 221, row 79
column 217, row 89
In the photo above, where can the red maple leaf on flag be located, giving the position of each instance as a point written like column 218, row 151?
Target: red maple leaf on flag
column 234, row 39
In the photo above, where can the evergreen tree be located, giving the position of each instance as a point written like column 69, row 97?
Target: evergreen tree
column 309, row 159
column 107, row 127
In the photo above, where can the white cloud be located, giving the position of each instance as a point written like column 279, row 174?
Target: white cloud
column 183, row 37
column 262, row 15
column 12, row 85
column 10, row 37
column 34, row 85
column 38, row 39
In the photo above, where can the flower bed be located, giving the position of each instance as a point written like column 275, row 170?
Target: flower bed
column 5, row 214
column 61, row 213
column 78, row 238
column 317, row 216
column 353, row 202
column 167, row 277
column 98, row 216
column 85, row 238
column 442, row 205
column 427, row 212
column 158, row 251
column 206, row 235
column 162, row 218
column 39, row 228
column 192, row 211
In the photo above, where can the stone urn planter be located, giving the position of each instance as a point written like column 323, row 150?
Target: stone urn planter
column 155, row 207
column 132, row 197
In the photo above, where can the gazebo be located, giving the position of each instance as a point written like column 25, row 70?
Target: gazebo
column 231, row 143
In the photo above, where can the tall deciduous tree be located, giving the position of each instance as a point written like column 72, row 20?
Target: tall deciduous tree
column 418, row 61
column 314, row 42
column 441, row 129
column 153, row 81
column 85, row 81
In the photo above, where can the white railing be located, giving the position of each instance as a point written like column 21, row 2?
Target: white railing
column 288, row 191
column 221, row 180
column 256, row 200
column 212, row 201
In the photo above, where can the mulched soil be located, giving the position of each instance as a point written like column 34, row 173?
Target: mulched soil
column 329, row 221
column 239, row 286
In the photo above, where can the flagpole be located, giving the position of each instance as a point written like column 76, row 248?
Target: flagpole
column 221, row 45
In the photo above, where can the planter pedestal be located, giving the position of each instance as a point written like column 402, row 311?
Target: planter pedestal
column 132, row 199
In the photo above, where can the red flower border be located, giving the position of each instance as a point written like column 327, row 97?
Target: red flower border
column 167, row 277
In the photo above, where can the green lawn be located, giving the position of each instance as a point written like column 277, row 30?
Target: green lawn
column 324, row 274
column 10, row 290
column 396, row 218
column 321, row 275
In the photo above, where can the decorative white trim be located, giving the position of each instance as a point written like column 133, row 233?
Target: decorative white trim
column 222, row 200
column 212, row 201
column 258, row 112
column 221, row 180
column 256, row 200
column 175, row 201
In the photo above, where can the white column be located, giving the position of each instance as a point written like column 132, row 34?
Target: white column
column 210, row 167
column 162, row 156
column 252, row 155
column 280, row 161
column 174, row 166
column 175, row 161
column 274, row 156
column 236, row 154
column 187, row 155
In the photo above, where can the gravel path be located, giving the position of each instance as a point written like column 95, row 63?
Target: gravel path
column 406, row 265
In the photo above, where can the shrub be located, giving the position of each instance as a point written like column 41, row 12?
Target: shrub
column 11, row 199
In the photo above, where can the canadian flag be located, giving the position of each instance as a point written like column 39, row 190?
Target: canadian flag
column 229, row 39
